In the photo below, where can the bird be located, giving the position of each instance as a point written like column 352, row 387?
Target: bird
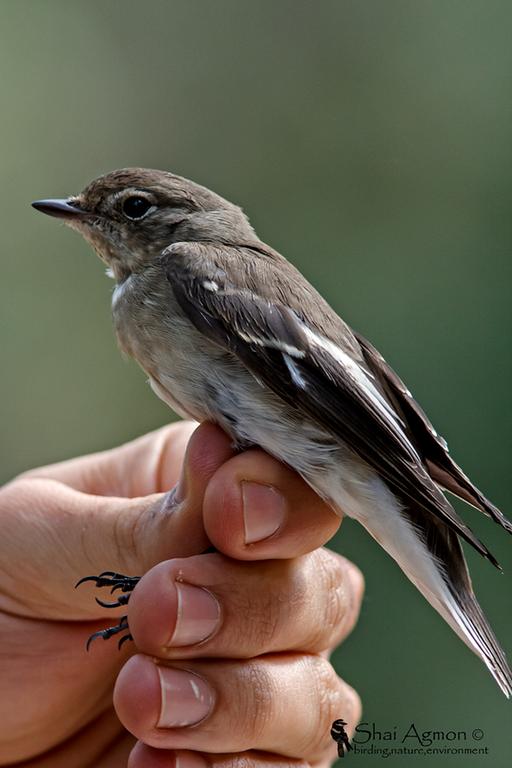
column 229, row 331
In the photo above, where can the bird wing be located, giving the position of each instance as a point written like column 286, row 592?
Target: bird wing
column 309, row 372
column 432, row 448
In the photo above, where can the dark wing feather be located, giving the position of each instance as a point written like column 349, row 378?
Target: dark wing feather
column 431, row 447
column 268, row 338
column 446, row 548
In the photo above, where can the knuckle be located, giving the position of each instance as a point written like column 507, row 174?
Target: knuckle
column 329, row 704
column 340, row 585
column 335, row 699
column 255, row 699
column 358, row 584
column 354, row 708
column 261, row 620
column 355, row 589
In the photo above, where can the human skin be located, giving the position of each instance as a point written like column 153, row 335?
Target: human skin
column 279, row 605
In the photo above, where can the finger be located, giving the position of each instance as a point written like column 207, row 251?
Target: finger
column 61, row 535
column 283, row 704
column 255, row 508
column 150, row 464
column 192, row 607
column 49, row 692
column 143, row 756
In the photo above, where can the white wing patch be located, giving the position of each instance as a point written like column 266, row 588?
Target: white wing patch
column 286, row 349
column 357, row 373
column 362, row 380
column 294, row 372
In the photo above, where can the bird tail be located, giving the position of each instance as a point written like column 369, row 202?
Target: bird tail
column 458, row 605
column 431, row 556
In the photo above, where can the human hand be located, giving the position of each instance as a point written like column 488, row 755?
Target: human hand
column 270, row 685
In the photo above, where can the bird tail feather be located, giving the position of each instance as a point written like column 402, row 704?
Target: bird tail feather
column 430, row 554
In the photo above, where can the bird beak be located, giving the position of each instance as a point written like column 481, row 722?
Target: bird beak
column 62, row 209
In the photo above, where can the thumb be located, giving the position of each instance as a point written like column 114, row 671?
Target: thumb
column 60, row 534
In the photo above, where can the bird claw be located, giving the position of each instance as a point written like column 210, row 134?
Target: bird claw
column 122, row 600
column 105, row 634
column 116, row 581
column 123, row 640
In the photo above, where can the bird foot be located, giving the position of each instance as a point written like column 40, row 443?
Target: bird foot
column 116, row 582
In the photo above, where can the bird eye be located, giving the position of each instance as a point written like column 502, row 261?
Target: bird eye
column 136, row 207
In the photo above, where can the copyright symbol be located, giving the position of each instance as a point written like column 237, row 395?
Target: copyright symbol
column 478, row 734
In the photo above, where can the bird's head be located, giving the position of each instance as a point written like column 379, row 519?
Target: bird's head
column 129, row 216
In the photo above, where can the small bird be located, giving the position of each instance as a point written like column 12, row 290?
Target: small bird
column 340, row 736
column 230, row 332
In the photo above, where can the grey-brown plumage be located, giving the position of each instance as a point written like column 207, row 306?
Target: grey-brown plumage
column 228, row 330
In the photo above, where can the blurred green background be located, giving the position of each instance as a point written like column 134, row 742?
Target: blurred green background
column 370, row 142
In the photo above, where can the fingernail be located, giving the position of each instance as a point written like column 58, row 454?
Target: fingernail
column 186, row 698
column 198, row 615
column 264, row 511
